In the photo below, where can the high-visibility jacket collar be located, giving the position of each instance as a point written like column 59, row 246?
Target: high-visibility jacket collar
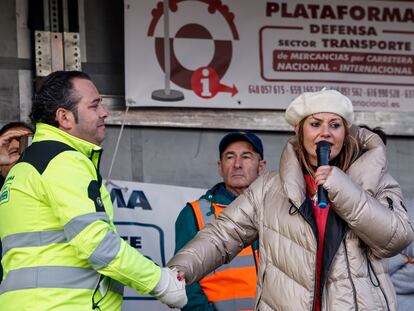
column 49, row 132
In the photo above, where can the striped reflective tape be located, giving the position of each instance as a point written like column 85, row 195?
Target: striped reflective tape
column 237, row 262
column 206, row 212
column 30, row 239
column 106, row 251
column 54, row 277
column 43, row 238
column 77, row 224
column 235, row 304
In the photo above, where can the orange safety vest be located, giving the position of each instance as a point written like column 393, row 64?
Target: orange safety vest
column 232, row 286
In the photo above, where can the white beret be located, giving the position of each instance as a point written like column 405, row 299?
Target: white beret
column 309, row 103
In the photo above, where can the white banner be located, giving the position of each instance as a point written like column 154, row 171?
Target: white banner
column 145, row 217
column 262, row 54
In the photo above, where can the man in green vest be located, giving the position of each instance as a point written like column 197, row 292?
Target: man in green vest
column 61, row 250
column 233, row 287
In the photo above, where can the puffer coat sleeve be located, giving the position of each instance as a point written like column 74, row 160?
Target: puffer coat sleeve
column 219, row 242
column 371, row 201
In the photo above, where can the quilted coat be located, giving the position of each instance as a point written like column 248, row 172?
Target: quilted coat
column 367, row 223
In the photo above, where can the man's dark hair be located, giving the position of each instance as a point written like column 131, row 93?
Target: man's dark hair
column 56, row 91
column 377, row 130
column 13, row 125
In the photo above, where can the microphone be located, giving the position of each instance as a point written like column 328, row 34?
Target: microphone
column 323, row 151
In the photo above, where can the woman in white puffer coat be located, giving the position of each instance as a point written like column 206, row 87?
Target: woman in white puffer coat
column 313, row 258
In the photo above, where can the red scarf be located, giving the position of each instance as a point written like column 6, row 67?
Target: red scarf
column 321, row 215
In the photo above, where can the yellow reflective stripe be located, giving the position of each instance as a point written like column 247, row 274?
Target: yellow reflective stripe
column 54, row 277
column 29, row 239
column 106, row 251
column 77, row 224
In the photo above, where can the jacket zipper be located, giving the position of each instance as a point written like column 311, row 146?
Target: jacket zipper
column 316, row 261
column 342, row 241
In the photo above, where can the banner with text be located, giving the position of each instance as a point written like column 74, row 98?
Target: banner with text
column 262, row 54
column 145, row 217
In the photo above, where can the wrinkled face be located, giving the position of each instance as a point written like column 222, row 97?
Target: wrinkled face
column 90, row 125
column 323, row 126
column 239, row 166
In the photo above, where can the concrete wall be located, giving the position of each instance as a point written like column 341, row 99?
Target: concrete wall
column 400, row 151
column 175, row 156
column 188, row 157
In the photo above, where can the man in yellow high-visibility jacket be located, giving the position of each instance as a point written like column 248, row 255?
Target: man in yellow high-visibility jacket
column 61, row 250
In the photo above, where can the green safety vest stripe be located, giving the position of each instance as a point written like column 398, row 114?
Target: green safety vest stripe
column 30, row 239
column 235, row 304
column 106, row 251
column 77, row 224
column 54, row 277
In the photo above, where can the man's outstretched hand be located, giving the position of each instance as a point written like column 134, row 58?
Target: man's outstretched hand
column 171, row 288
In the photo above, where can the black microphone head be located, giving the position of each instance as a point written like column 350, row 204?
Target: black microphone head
column 323, row 144
column 323, row 151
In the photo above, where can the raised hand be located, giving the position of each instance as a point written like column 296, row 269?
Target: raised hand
column 6, row 157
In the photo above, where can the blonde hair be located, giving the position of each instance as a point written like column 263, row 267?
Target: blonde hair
column 348, row 154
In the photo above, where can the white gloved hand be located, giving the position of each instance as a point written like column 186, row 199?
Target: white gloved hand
column 170, row 290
